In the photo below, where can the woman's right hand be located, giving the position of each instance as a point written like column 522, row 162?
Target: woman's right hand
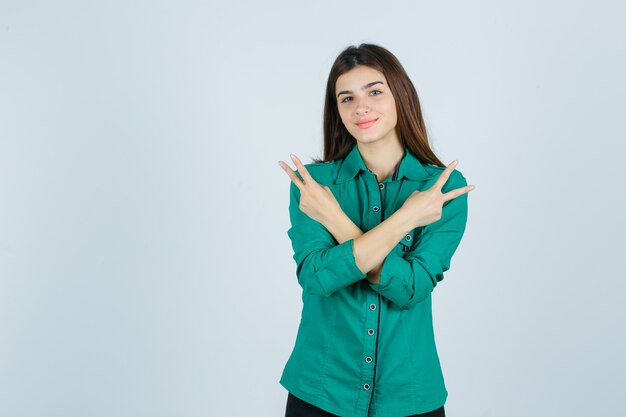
column 425, row 207
column 316, row 200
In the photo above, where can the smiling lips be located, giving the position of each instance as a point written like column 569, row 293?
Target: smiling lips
column 364, row 124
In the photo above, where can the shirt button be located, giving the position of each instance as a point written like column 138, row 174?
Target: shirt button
column 381, row 185
column 408, row 237
column 366, row 386
column 372, row 306
column 368, row 359
column 370, row 332
column 375, row 208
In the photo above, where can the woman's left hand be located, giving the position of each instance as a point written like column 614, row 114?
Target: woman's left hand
column 316, row 200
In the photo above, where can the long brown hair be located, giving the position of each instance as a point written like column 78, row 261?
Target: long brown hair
column 410, row 126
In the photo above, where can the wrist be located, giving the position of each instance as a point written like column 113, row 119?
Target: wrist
column 405, row 219
column 330, row 220
column 341, row 227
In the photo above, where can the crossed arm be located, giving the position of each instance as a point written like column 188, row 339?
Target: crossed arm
column 331, row 252
column 370, row 249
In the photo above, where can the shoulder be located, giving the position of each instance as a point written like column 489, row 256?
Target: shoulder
column 322, row 172
column 456, row 180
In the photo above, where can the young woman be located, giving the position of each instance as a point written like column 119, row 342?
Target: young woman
column 374, row 226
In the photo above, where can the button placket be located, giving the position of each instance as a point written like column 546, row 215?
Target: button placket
column 376, row 208
column 369, row 347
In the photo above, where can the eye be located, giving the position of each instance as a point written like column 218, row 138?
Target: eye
column 373, row 91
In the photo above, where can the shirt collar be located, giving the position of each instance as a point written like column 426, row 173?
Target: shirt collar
column 410, row 167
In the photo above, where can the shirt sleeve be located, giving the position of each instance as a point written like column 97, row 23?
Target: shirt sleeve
column 322, row 265
column 409, row 278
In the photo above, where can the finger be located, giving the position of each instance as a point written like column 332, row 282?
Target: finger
column 302, row 169
column 294, row 177
column 445, row 174
column 457, row 192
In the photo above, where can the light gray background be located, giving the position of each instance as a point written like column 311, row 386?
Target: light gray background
column 145, row 267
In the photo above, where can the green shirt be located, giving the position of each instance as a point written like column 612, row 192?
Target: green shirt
column 367, row 349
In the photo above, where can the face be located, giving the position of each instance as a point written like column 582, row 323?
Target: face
column 366, row 106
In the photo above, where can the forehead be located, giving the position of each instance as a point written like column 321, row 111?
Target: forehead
column 357, row 77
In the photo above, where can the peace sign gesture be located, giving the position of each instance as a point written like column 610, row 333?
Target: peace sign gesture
column 425, row 207
column 316, row 200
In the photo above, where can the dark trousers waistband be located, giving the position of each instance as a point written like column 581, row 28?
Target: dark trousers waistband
column 300, row 408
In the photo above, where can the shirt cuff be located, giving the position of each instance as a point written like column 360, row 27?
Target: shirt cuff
column 340, row 269
column 403, row 281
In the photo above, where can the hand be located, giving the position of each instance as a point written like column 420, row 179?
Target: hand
column 316, row 200
column 425, row 207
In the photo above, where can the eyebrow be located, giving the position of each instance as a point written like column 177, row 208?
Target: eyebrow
column 362, row 88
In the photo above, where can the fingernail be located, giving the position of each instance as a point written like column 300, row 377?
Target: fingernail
column 292, row 156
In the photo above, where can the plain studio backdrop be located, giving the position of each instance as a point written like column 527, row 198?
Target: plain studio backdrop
column 145, row 267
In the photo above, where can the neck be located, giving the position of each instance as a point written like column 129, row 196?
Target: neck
column 381, row 157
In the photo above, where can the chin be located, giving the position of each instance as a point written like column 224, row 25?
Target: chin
column 368, row 139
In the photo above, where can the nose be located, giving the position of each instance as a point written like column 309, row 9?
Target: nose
column 362, row 107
